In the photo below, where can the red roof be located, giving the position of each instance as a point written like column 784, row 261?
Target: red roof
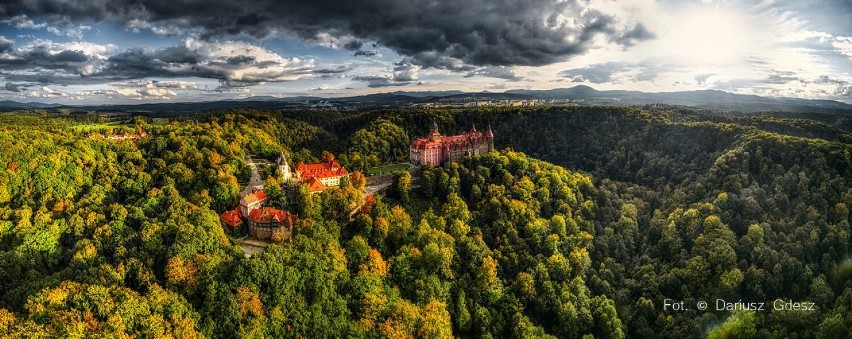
column 320, row 170
column 459, row 140
column 271, row 215
column 232, row 218
column 315, row 185
column 256, row 197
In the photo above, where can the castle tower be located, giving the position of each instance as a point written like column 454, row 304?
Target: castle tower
column 489, row 137
column 284, row 167
column 434, row 135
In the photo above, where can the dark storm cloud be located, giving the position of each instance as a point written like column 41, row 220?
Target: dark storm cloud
column 15, row 87
column 41, row 56
column 334, row 69
column 5, row 44
column 365, row 53
column 432, row 33
column 637, row 34
column 239, row 64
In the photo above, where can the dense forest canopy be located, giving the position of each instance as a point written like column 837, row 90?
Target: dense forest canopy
column 584, row 223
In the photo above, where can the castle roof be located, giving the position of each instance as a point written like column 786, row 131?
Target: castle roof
column 454, row 141
column 315, row 185
column 271, row 215
column 321, row 170
column 257, row 197
column 232, row 218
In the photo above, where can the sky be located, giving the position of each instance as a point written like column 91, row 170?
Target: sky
column 139, row 51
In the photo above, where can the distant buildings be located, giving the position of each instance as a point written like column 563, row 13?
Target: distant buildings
column 118, row 137
column 127, row 136
column 436, row 149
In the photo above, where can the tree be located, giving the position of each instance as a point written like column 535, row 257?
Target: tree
column 274, row 192
column 358, row 180
column 327, row 156
column 401, row 186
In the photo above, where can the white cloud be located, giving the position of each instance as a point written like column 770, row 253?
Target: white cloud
column 46, row 92
column 244, row 62
column 148, row 91
column 22, row 22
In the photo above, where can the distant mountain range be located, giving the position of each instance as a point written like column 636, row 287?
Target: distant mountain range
column 709, row 99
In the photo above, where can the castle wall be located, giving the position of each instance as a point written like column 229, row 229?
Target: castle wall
column 264, row 231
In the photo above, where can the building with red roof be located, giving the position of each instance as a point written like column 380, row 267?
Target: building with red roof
column 315, row 185
column 322, row 175
column 252, row 201
column 266, row 222
column 437, row 149
column 232, row 221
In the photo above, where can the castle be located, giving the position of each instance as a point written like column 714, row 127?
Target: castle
column 263, row 222
column 436, row 149
column 317, row 176
column 266, row 223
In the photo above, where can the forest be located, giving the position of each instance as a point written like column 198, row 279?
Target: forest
column 582, row 224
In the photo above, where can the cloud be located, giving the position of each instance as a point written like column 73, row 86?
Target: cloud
column 782, row 77
column 701, row 79
column 638, row 34
column 236, row 64
column 402, row 74
column 834, row 86
column 333, row 71
column 595, row 73
column 22, row 22
column 17, row 88
column 441, row 34
column 149, row 90
column 499, row 72
column 46, row 92
column 5, row 44
column 139, row 90
column 374, row 81
column 176, row 84
column 365, row 53
column 76, row 32
column 44, row 61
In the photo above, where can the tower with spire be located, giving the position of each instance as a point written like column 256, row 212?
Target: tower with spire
column 284, row 168
column 434, row 135
column 489, row 138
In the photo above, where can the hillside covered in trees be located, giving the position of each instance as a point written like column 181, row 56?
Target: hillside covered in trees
column 583, row 224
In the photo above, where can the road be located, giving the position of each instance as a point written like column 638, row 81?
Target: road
column 251, row 246
column 372, row 189
column 255, row 177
